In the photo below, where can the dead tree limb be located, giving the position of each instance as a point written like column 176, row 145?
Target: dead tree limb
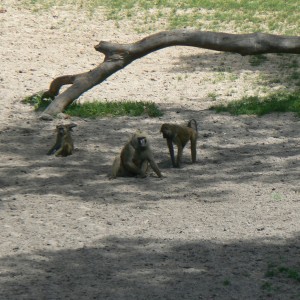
column 117, row 56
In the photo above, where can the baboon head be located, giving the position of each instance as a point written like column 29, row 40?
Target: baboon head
column 62, row 129
column 167, row 131
column 139, row 141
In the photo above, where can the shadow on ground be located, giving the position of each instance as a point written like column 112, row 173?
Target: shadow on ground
column 231, row 150
column 139, row 268
column 269, row 65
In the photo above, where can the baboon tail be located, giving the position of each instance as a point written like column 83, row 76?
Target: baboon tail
column 193, row 124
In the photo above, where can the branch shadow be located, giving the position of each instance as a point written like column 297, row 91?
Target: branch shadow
column 141, row 268
column 275, row 67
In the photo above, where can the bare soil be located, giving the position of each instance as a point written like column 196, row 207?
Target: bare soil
column 226, row 227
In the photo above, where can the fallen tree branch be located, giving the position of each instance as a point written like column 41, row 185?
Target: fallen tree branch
column 117, row 56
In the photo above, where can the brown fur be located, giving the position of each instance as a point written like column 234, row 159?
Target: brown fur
column 134, row 158
column 64, row 145
column 180, row 135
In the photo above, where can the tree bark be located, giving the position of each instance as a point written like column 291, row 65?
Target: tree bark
column 118, row 56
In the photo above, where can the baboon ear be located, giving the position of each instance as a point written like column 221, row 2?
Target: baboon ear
column 70, row 126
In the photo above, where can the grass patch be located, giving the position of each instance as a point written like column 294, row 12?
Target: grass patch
column 112, row 108
column 226, row 282
column 274, row 16
column 101, row 109
column 283, row 272
column 37, row 101
column 267, row 286
column 254, row 105
column 256, row 60
column 279, row 276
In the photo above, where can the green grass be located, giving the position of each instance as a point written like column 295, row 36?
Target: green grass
column 282, row 271
column 274, row 16
column 254, row 105
column 37, row 102
column 284, row 274
column 226, row 282
column 101, row 109
column 123, row 108
column 256, row 60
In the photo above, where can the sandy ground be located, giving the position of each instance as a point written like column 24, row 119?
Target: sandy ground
column 226, row 227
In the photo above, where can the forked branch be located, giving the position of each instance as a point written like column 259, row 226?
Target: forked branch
column 117, row 56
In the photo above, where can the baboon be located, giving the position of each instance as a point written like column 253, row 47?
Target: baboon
column 64, row 143
column 180, row 135
column 134, row 158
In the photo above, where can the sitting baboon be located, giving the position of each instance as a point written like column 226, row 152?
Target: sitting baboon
column 64, row 143
column 134, row 158
column 180, row 135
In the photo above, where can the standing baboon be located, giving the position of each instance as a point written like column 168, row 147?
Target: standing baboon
column 64, row 143
column 180, row 135
column 134, row 158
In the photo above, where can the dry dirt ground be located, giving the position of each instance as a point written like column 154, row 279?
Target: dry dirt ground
column 226, row 227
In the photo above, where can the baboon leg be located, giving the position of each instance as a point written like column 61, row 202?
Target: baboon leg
column 65, row 150
column 144, row 167
column 143, row 170
column 116, row 167
column 193, row 149
column 171, row 150
column 53, row 149
column 179, row 155
column 59, row 152
column 118, row 170
column 132, row 168
column 155, row 168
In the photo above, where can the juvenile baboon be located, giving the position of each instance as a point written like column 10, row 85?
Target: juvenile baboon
column 134, row 158
column 180, row 135
column 64, row 143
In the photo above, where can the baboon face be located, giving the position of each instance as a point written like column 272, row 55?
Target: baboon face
column 142, row 141
column 139, row 141
column 166, row 131
column 60, row 129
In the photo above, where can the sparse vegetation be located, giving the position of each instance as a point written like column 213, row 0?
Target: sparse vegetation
column 37, row 102
column 226, row 282
column 100, row 109
column 245, row 16
column 242, row 16
column 285, row 272
column 281, row 273
column 256, row 60
column 267, row 286
column 212, row 96
column 114, row 108
column 278, row 102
